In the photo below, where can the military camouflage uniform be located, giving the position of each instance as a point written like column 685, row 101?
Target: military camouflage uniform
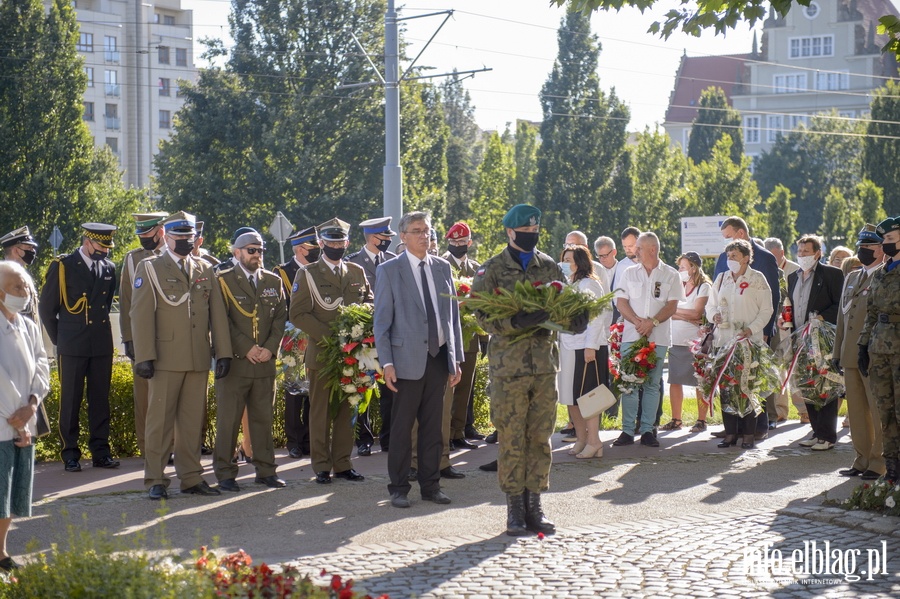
column 523, row 379
column 882, row 334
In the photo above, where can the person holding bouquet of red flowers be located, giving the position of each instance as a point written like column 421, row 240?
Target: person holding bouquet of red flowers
column 647, row 296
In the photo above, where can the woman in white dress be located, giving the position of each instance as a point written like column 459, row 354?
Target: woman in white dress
column 740, row 304
column 685, row 328
column 583, row 358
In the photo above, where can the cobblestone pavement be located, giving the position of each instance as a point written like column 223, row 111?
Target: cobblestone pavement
column 640, row 522
column 722, row 555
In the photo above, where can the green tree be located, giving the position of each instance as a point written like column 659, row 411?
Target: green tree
column 715, row 118
column 719, row 186
column 50, row 174
column 881, row 163
column 834, row 219
column 464, row 148
column 526, row 162
column 780, row 217
column 810, row 161
column 582, row 133
column 658, row 173
column 870, row 199
column 493, row 197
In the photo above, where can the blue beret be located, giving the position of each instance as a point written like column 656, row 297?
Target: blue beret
column 522, row 215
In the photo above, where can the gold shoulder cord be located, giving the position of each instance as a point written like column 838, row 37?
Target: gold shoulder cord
column 79, row 306
column 251, row 315
column 284, row 277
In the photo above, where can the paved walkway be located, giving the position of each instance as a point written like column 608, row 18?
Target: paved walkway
column 640, row 522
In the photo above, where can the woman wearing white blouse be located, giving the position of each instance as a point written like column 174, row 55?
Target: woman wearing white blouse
column 740, row 304
column 583, row 358
column 24, row 381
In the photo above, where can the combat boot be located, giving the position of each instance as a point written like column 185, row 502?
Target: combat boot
column 535, row 520
column 891, row 473
column 515, row 515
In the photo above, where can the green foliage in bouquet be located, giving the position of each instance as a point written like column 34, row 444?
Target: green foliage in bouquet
column 881, row 496
column 811, row 371
column 349, row 358
column 742, row 372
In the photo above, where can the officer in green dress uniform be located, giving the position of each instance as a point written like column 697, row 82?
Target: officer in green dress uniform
column 879, row 344
column 74, row 307
column 150, row 235
column 305, row 245
column 254, row 301
column 176, row 305
column 317, row 292
column 523, row 373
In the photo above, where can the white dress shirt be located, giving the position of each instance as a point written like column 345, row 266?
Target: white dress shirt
column 750, row 307
column 647, row 294
column 434, row 298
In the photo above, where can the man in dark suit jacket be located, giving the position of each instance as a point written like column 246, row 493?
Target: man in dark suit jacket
column 419, row 341
column 378, row 235
column 74, row 308
column 815, row 292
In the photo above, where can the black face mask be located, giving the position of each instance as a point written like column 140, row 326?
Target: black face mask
column 28, row 256
column 149, row 243
column 891, row 249
column 183, row 247
column 458, row 251
column 98, row 256
column 313, row 254
column 866, row 256
column 333, row 254
column 526, row 241
column 383, row 245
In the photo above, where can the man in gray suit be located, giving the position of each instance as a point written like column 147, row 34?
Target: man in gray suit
column 419, row 341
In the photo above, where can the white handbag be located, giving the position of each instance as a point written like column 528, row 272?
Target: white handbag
column 597, row 400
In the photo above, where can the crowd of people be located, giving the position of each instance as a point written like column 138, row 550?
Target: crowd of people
column 183, row 313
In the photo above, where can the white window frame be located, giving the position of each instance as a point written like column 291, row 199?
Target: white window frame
column 832, row 80
column 796, row 119
column 810, row 46
column 89, row 73
column 774, row 127
column 789, row 83
column 751, row 129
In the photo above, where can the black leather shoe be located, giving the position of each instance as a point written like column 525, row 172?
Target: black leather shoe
column 230, row 485
column 323, row 477
column 492, row 438
column 364, row 450
column 106, row 462
column 462, row 444
column 489, row 467
column 399, row 500
column 451, row 472
column 870, row 475
column 8, row 564
column 295, row 453
column 204, row 450
column 385, row 447
column 201, row 488
column 567, row 431
column 772, row 425
column 649, row 440
column 852, row 472
column 473, row 435
column 413, row 475
column 73, row 466
column 350, row 475
column 624, row 439
column 436, row 496
column 157, row 492
column 273, row 482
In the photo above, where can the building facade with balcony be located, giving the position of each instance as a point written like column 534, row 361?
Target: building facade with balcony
column 818, row 58
column 135, row 53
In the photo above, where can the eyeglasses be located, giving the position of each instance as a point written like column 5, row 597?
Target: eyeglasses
column 602, row 256
column 252, row 251
column 419, row 232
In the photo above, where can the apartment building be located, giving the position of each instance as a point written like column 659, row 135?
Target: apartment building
column 135, row 53
column 821, row 57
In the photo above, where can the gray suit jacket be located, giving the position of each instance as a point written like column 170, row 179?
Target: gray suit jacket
column 401, row 327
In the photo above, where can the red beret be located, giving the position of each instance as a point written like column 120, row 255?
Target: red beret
column 458, row 230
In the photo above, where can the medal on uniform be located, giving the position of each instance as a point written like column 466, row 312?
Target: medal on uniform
column 327, row 298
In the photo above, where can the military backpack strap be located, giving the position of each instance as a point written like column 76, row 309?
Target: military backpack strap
column 253, row 316
column 81, row 305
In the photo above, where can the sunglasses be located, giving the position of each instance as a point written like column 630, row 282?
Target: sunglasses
column 252, row 251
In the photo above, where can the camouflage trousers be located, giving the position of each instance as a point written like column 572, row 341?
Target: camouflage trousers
column 884, row 378
column 523, row 409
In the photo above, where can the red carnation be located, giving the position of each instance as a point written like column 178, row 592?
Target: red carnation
column 464, row 289
column 336, row 582
column 346, row 380
column 361, row 389
column 350, row 360
column 536, row 284
column 556, row 285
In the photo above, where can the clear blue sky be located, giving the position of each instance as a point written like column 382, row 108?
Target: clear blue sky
column 517, row 38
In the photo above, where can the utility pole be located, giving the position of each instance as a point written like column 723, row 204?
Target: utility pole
column 393, row 172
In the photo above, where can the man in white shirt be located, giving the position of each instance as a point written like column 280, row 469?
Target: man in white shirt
column 647, row 296
column 605, row 249
column 776, row 248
